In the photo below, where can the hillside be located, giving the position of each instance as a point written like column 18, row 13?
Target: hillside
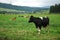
column 22, row 8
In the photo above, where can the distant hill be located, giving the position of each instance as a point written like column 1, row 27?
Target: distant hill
column 22, row 8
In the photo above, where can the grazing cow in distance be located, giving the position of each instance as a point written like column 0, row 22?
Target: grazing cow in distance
column 13, row 18
column 39, row 22
column 24, row 16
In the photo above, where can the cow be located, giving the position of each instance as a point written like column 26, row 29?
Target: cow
column 13, row 18
column 39, row 22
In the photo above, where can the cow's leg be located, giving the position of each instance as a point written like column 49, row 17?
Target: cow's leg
column 39, row 29
column 46, row 29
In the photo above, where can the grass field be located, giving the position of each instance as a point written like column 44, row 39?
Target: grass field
column 20, row 29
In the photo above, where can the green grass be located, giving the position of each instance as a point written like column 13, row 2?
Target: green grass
column 20, row 29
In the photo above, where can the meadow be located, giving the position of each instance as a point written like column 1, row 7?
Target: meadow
column 20, row 29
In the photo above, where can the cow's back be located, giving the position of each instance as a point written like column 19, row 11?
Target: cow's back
column 45, row 22
column 38, row 22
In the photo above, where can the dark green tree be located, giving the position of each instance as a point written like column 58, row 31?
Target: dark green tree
column 55, row 9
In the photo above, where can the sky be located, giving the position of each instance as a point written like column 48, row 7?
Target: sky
column 31, row 3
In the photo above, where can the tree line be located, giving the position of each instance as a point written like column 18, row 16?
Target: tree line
column 55, row 8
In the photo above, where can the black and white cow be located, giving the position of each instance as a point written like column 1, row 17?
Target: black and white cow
column 39, row 22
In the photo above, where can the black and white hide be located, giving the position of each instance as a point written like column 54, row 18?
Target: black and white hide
column 39, row 22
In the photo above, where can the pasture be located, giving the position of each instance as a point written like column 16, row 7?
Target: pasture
column 20, row 29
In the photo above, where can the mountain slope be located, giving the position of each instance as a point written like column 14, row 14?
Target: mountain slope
column 21, row 8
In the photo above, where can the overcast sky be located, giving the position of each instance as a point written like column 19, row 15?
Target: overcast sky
column 31, row 3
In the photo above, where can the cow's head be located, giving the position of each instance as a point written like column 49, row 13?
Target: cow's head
column 31, row 19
